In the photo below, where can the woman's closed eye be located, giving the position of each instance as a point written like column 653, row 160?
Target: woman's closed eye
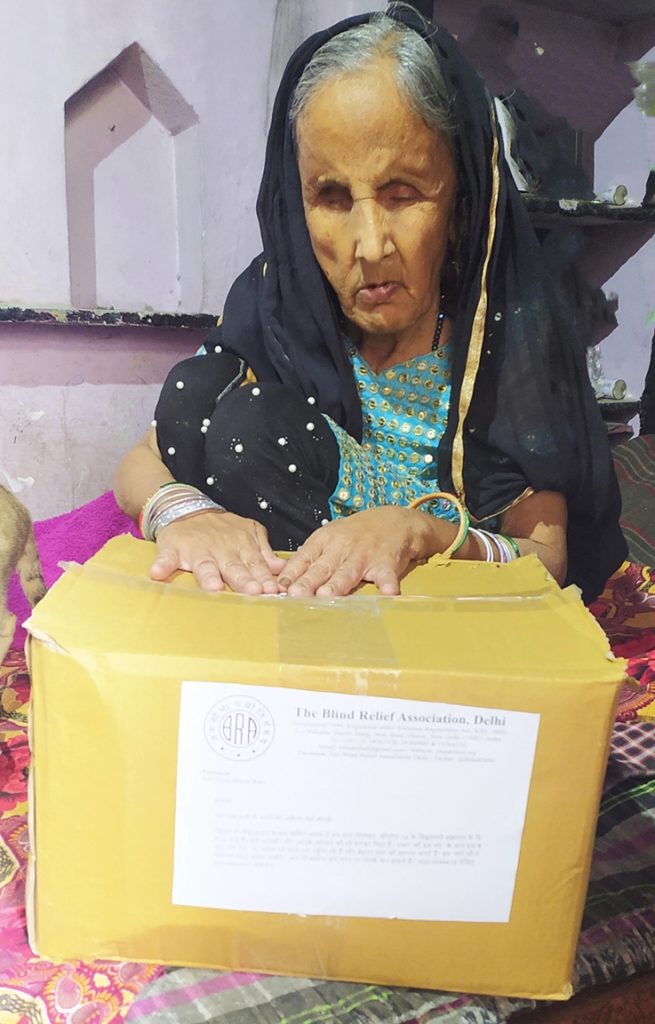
column 334, row 197
column 393, row 195
column 398, row 193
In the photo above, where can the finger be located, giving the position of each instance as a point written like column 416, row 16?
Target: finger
column 164, row 565
column 239, row 577
column 347, row 577
column 259, row 569
column 343, row 580
column 386, row 579
column 273, row 560
column 318, row 575
column 294, row 567
column 208, row 575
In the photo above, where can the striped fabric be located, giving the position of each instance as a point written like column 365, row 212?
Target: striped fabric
column 635, row 468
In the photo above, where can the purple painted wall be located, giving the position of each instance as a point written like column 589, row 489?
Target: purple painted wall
column 42, row 356
column 73, row 400
column 196, row 79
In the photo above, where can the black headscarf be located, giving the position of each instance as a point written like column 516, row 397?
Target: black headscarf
column 523, row 414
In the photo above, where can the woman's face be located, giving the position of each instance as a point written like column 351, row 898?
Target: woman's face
column 378, row 189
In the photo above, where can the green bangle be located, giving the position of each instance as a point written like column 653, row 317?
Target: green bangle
column 512, row 543
column 462, row 533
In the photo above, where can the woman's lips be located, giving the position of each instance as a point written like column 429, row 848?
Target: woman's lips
column 374, row 294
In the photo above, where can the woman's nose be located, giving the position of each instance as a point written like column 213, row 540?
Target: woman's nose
column 371, row 231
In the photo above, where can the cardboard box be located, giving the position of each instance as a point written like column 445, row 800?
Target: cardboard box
column 447, row 749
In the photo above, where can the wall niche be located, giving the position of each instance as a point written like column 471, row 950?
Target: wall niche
column 132, row 190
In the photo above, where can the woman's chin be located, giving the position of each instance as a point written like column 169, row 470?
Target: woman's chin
column 383, row 320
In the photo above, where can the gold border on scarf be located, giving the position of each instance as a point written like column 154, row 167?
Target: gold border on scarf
column 477, row 332
column 525, row 493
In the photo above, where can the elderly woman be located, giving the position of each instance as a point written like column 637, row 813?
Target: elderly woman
column 394, row 339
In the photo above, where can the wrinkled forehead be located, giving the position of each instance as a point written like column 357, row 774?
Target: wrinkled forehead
column 373, row 88
column 364, row 116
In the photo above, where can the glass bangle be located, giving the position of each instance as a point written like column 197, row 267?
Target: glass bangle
column 464, row 520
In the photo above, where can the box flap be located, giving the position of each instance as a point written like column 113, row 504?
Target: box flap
column 111, row 604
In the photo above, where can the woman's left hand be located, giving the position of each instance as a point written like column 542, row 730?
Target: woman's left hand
column 377, row 546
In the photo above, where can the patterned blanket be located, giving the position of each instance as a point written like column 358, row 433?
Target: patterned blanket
column 34, row 990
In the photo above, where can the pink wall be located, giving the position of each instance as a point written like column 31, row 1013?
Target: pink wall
column 217, row 59
column 42, row 356
column 74, row 399
column 217, row 62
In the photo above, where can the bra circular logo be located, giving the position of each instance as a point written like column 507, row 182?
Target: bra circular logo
column 239, row 728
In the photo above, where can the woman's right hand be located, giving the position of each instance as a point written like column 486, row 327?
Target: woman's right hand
column 220, row 549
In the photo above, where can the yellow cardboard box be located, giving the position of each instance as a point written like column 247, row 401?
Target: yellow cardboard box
column 393, row 790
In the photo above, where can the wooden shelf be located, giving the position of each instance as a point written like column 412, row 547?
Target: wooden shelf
column 616, row 12
column 618, row 412
column 546, row 212
column 104, row 318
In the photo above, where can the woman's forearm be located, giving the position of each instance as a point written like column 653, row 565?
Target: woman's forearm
column 537, row 525
column 139, row 474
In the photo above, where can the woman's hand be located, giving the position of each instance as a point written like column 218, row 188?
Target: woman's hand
column 377, row 546
column 220, row 549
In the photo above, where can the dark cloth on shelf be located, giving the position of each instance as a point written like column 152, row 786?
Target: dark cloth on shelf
column 523, row 414
column 647, row 404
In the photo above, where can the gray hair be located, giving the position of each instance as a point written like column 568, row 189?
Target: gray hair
column 418, row 74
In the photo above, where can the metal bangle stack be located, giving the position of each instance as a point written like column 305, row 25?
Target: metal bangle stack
column 506, row 547
column 170, row 502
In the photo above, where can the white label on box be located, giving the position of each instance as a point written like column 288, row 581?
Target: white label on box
column 298, row 802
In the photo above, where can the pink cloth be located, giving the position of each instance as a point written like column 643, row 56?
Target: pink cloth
column 72, row 537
